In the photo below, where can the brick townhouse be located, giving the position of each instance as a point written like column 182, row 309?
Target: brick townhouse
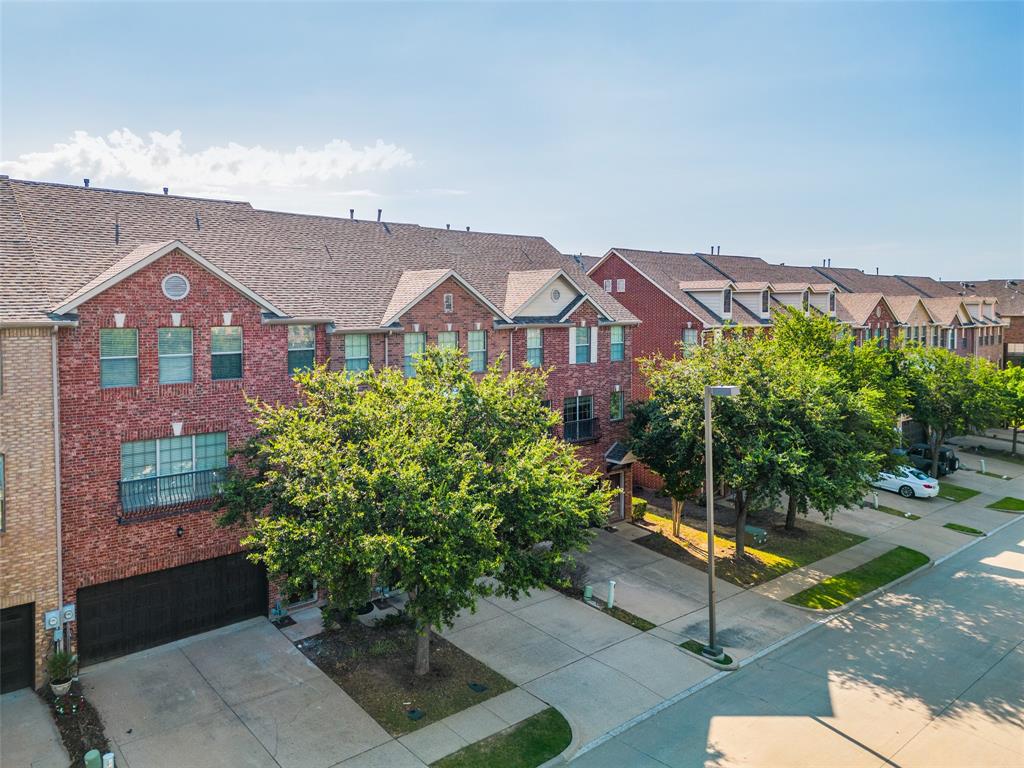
column 1010, row 297
column 166, row 312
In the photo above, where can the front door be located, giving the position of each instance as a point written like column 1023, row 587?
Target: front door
column 618, row 511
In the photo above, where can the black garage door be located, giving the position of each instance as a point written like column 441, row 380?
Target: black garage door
column 131, row 614
column 17, row 647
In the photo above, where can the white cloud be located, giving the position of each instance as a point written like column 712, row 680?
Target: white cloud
column 162, row 160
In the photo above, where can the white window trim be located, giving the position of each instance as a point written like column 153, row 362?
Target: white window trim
column 134, row 357
column 163, row 286
column 240, row 352
column 449, row 303
column 620, row 285
column 727, row 293
column 607, row 286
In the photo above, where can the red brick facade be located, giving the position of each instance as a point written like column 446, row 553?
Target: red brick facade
column 881, row 323
column 660, row 330
column 95, row 422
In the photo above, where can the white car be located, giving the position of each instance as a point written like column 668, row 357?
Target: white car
column 908, row 482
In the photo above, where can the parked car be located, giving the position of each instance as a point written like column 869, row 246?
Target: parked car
column 920, row 455
column 907, row 482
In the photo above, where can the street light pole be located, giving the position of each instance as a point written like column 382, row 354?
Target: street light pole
column 712, row 650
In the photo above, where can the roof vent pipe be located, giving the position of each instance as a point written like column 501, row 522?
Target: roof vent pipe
column 447, row 226
column 467, row 229
column 876, row 270
column 117, row 230
column 165, row 190
column 198, row 225
column 86, row 181
column 351, row 213
column 379, row 212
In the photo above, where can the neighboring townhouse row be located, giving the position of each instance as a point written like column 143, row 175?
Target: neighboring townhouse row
column 1010, row 295
column 160, row 315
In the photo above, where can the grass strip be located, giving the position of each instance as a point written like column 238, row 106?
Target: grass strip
column 894, row 511
column 528, row 744
column 956, row 493
column 637, row 622
column 698, row 648
column 1016, row 458
column 964, row 529
column 995, row 475
column 784, row 550
column 1008, row 504
column 840, row 589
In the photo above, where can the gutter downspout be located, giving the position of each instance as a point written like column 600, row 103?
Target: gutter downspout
column 56, row 466
column 386, row 337
column 511, row 333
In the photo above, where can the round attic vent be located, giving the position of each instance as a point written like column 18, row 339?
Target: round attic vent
column 555, row 294
column 175, row 286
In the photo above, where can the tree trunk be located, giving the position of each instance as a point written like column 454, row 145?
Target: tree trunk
column 677, row 513
column 935, row 443
column 422, row 651
column 791, row 514
column 1013, row 448
column 741, row 524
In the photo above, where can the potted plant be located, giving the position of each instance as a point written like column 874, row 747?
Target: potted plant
column 61, row 669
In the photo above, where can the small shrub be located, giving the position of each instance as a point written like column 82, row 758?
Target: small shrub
column 639, row 509
column 394, row 621
column 61, row 666
column 575, row 575
column 382, row 647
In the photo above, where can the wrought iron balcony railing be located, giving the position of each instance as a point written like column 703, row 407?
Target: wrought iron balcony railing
column 139, row 498
column 580, row 431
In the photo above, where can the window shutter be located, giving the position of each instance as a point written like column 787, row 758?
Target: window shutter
column 572, row 344
column 593, row 343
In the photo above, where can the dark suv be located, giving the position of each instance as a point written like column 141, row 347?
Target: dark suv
column 920, row 455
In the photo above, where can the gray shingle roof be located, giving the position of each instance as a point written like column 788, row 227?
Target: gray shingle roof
column 1010, row 296
column 56, row 239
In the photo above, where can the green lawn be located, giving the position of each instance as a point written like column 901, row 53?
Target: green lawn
column 964, row 529
column 1008, row 504
column 894, row 511
column 784, row 550
column 841, row 589
column 698, row 648
column 526, row 745
column 955, row 492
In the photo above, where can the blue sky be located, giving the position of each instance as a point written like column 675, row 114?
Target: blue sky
column 887, row 135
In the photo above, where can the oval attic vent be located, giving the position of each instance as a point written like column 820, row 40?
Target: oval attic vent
column 175, row 287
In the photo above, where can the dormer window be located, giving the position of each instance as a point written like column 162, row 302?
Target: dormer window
column 805, row 301
column 449, row 303
column 727, row 301
column 832, row 302
column 766, row 298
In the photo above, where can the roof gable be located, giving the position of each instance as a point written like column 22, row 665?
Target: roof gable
column 415, row 285
column 141, row 257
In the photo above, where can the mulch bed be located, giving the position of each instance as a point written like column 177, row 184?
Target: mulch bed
column 78, row 723
column 375, row 667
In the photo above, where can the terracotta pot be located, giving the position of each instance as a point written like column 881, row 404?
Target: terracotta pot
column 60, row 689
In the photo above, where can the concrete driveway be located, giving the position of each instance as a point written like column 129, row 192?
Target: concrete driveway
column 240, row 696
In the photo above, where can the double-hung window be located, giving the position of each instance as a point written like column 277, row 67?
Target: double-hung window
column 617, row 410
column 174, row 348
column 357, row 351
column 226, row 352
column 535, row 347
column 119, row 357
column 172, row 470
column 765, row 302
column 582, row 345
column 691, row 340
column 618, row 336
column 415, row 343
column 727, row 302
column 578, row 419
column 301, row 348
column 477, row 343
column 448, row 340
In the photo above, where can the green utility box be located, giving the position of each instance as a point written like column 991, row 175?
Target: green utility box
column 752, row 535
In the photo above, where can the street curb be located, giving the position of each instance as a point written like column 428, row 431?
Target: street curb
column 824, row 619
column 863, row 598
column 713, row 664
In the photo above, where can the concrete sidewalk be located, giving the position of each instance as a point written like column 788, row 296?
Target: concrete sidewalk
column 28, row 737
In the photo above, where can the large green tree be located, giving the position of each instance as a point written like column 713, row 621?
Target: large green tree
column 814, row 417
column 426, row 484
column 1013, row 384
column 952, row 395
column 845, row 408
